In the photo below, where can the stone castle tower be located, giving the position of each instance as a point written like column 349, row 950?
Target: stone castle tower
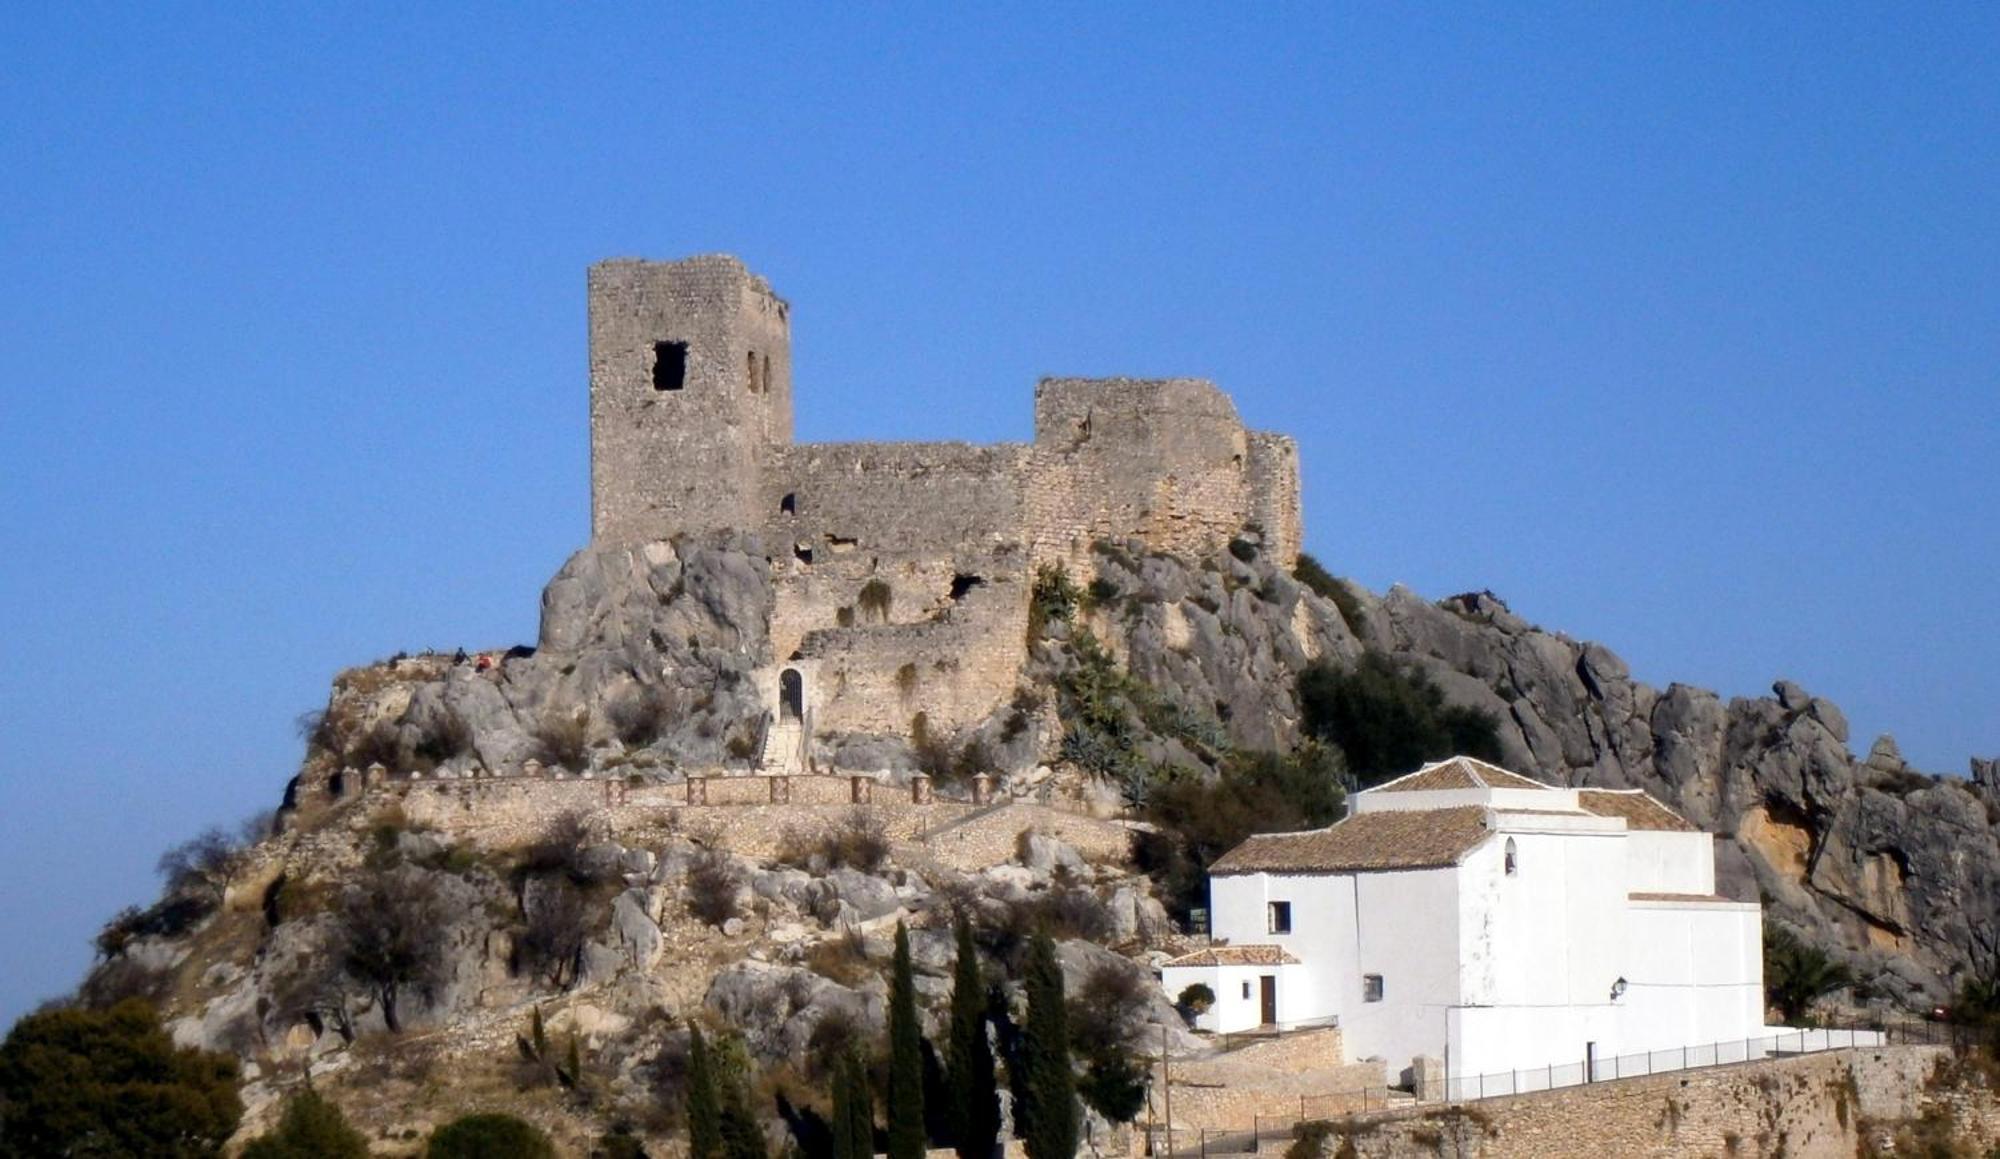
column 901, row 571
column 690, row 382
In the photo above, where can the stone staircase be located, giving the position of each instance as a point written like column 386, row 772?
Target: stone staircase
column 784, row 747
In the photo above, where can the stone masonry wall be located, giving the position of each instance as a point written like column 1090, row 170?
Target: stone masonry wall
column 1277, row 1080
column 895, row 498
column 1274, row 495
column 1165, row 461
column 954, row 669
column 1809, row 1107
column 684, row 460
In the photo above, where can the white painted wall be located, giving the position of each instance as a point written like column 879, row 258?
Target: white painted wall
column 1238, row 995
column 1664, row 862
column 1500, row 973
column 1696, row 975
column 1407, row 930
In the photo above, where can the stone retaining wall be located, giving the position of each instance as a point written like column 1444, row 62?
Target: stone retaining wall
column 1802, row 1108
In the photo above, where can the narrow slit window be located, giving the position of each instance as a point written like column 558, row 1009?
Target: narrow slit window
column 1371, row 987
column 1513, row 858
column 670, row 365
column 750, row 371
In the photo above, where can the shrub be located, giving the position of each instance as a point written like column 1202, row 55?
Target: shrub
column 375, row 745
column 1054, row 596
column 1797, row 975
column 311, row 1128
column 558, row 925
column 489, row 1136
column 1195, row 1000
column 713, row 883
column 111, row 1082
column 742, row 745
column 389, row 936
column 842, row 958
column 875, row 599
column 1197, row 819
column 559, row 851
column 639, row 717
column 1388, row 717
column 1243, row 549
column 447, row 736
column 559, row 739
column 1326, row 585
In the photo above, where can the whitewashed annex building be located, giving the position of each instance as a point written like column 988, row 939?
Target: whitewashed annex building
column 1469, row 914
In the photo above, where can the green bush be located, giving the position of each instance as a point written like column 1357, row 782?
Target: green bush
column 312, row 1128
column 1797, row 975
column 1387, row 717
column 110, row 1082
column 1197, row 819
column 489, row 1136
column 1325, row 584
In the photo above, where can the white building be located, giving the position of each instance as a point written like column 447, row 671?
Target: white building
column 1466, row 913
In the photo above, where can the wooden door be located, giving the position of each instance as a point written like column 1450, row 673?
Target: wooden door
column 1267, row 999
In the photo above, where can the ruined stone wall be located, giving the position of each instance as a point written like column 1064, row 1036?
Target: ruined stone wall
column 1273, row 469
column 1807, row 1107
column 899, row 499
column 683, row 460
column 955, row 669
column 848, row 590
column 1164, row 460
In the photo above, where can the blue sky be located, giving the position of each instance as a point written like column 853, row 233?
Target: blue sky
column 1676, row 326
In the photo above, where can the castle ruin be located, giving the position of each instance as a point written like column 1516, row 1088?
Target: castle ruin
column 901, row 570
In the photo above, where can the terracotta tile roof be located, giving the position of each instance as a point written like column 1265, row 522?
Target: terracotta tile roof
column 1391, row 839
column 1458, row 773
column 1236, row 956
column 1639, row 810
column 1707, row 898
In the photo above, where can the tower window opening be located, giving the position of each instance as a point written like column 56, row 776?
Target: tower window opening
column 789, row 505
column 669, row 365
column 750, row 371
column 962, row 585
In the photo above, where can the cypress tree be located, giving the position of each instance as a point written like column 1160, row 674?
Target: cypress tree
column 975, row 1103
column 742, row 1135
column 906, row 1059
column 704, row 1109
column 1048, row 1086
column 853, row 1111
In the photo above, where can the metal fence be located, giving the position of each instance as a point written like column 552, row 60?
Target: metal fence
column 1625, row 1066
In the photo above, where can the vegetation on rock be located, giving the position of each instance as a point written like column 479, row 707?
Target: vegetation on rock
column 489, row 1136
column 1045, row 1087
column 310, row 1128
column 1387, row 718
column 907, row 1138
column 974, row 1110
column 111, row 1083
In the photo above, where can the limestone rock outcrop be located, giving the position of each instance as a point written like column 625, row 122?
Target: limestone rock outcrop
column 1896, row 869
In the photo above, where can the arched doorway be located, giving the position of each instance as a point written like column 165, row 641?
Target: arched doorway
column 791, row 695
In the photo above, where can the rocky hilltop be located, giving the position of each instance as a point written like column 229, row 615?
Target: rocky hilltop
column 562, row 817
column 1895, row 869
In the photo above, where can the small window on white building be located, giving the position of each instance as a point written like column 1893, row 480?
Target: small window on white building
column 1246, row 990
column 1371, row 987
column 1279, row 917
column 1513, row 860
